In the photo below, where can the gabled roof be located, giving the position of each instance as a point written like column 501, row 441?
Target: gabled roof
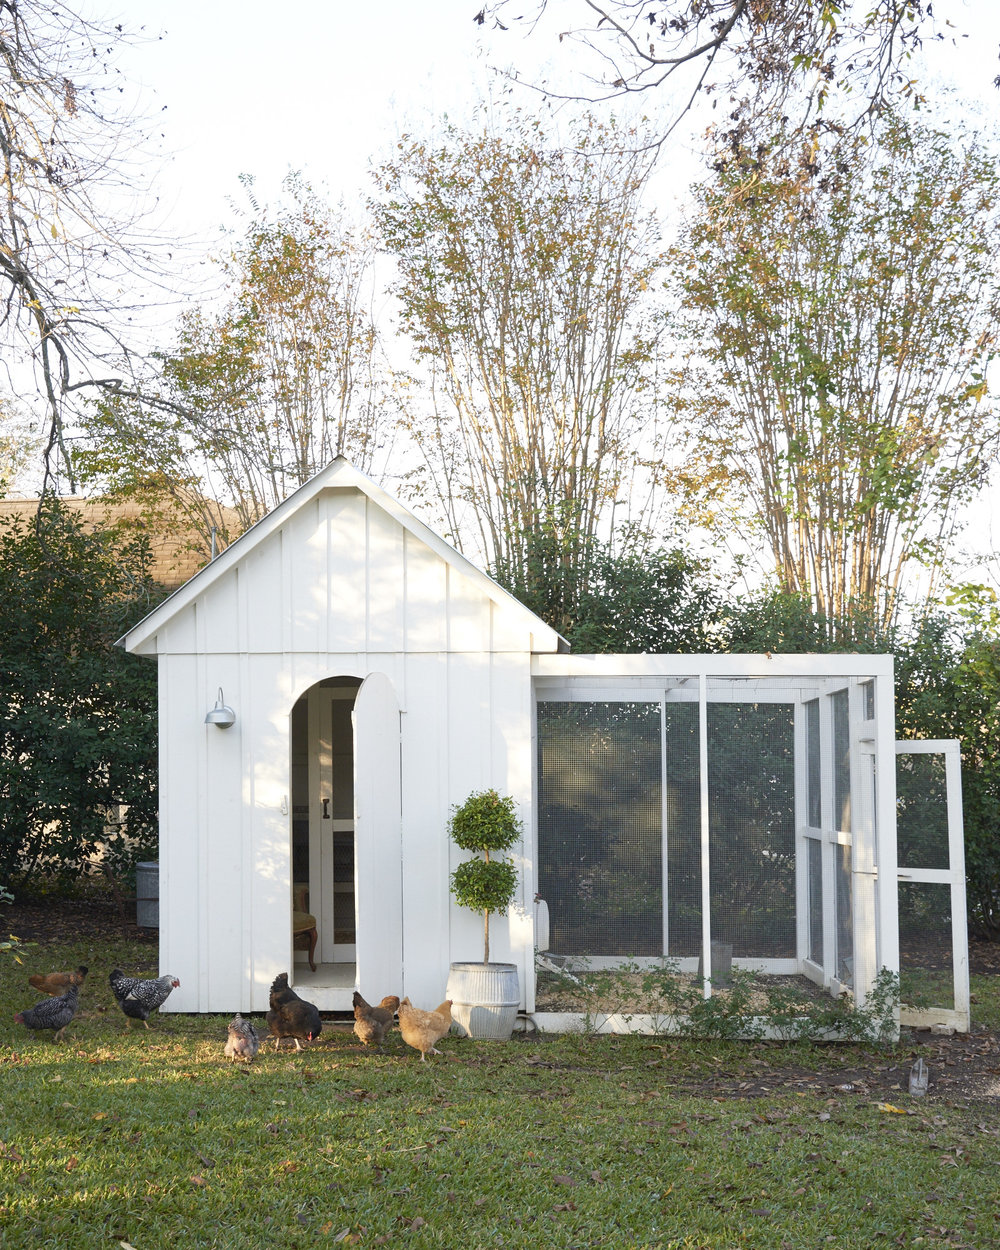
column 339, row 473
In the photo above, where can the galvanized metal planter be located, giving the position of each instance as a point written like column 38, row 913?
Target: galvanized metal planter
column 484, row 999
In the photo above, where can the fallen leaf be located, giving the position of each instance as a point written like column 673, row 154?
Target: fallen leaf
column 198, row 1180
column 563, row 1180
column 71, row 1163
column 887, row 1106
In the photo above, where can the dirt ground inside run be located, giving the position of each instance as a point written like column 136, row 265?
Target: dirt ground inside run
column 963, row 1067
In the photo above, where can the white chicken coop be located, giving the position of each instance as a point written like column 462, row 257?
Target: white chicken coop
column 340, row 677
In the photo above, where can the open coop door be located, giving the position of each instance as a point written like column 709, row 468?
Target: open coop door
column 378, row 839
column 933, row 934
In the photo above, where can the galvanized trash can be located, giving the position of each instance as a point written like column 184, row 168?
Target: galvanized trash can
column 147, row 895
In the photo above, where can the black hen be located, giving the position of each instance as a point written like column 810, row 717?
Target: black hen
column 51, row 1013
column 291, row 1016
column 138, row 998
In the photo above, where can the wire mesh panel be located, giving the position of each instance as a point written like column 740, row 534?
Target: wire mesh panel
column 600, row 834
column 751, row 756
column 926, row 964
column 921, row 811
column 926, row 933
column 680, row 725
column 814, row 765
column 815, row 853
column 841, row 761
column 845, row 914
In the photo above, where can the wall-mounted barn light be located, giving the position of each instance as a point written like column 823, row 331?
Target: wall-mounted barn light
column 221, row 715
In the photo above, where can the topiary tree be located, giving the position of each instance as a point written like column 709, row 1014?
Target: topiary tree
column 486, row 823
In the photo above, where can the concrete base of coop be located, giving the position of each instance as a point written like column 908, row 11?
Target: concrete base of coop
column 484, row 999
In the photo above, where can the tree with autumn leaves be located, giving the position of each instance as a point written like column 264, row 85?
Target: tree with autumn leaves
column 838, row 316
column 259, row 393
column 523, row 274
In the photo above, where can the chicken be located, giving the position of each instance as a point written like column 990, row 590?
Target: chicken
column 51, row 1013
column 56, row 983
column 421, row 1029
column 372, row 1023
column 138, row 998
column 291, row 1016
column 242, row 1042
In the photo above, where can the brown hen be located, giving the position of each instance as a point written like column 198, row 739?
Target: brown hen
column 57, row 983
column 372, row 1023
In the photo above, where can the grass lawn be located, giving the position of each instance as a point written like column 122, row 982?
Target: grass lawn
column 155, row 1140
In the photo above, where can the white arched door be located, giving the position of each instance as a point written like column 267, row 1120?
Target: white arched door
column 378, row 838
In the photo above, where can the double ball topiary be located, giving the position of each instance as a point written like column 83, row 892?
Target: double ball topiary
column 488, row 824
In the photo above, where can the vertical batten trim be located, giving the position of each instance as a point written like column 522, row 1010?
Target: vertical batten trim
column 706, row 891
column 664, row 826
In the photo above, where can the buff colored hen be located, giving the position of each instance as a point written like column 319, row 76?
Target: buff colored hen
column 421, row 1029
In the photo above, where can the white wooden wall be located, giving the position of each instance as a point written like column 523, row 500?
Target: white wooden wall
column 341, row 589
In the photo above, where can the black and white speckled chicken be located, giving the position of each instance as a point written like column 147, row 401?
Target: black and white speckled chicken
column 242, row 1041
column 138, row 998
column 291, row 1016
column 51, row 1013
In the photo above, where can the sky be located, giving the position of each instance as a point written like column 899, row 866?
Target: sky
column 327, row 86
column 327, row 92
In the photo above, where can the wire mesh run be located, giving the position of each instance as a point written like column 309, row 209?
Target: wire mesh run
column 610, row 820
column 600, row 839
column 751, row 783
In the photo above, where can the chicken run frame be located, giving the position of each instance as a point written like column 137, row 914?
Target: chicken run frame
column 756, row 808
column 739, row 805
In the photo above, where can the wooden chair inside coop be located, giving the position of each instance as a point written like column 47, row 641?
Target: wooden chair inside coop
column 304, row 934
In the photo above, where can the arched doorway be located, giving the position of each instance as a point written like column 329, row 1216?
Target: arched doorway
column 323, row 827
column 346, row 835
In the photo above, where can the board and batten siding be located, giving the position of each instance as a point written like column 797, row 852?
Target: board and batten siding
column 339, row 588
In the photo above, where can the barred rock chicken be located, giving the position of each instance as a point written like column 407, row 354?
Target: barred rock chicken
column 138, row 998
column 421, row 1029
column 372, row 1023
column 291, row 1016
column 51, row 1013
column 242, row 1042
column 56, row 983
